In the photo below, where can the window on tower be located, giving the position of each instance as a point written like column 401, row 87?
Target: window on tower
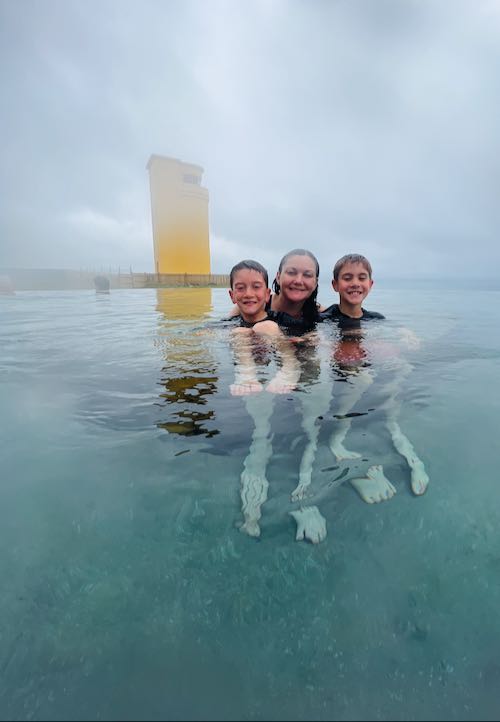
column 191, row 178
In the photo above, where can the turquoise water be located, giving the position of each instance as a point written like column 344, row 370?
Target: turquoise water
column 128, row 591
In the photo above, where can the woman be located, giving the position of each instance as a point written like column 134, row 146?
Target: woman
column 295, row 290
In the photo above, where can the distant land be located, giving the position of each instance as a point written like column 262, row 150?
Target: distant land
column 449, row 283
column 34, row 279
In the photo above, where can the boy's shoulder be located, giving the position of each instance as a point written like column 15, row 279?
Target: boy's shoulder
column 237, row 320
column 334, row 313
column 372, row 314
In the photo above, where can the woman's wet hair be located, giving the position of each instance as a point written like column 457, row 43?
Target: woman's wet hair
column 248, row 265
column 351, row 258
column 310, row 307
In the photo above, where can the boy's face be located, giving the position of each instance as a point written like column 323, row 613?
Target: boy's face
column 353, row 284
column 249, row 292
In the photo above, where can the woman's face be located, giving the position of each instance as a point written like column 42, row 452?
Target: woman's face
column 297, row 278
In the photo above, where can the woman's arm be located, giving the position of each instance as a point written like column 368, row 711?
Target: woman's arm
column 235, row 311
column 287, row 377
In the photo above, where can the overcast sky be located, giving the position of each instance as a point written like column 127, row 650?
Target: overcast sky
column 368, row 126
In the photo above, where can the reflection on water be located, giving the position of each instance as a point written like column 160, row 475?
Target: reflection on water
column 349, row 353
column 189, row 375
column 183, row 304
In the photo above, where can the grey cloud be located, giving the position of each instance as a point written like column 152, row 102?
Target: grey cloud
column 336, row 125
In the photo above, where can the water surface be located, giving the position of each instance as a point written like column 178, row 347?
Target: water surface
column 128, row 590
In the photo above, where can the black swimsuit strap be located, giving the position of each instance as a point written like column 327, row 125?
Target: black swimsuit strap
column 248, row 324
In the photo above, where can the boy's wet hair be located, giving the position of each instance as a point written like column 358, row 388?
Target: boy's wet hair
column 351, row 258
column 250, row 266
column 310, row 308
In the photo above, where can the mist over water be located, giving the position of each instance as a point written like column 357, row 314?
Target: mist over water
column 128, row 590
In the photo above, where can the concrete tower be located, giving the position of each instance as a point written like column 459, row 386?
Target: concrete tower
column 179, row 208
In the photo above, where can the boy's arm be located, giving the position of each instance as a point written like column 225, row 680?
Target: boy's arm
column 409, row 338
column 245, row 378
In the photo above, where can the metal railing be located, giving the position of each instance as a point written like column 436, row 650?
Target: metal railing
column 59, row 279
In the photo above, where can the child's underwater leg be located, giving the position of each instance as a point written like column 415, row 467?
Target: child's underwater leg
column 392, row 406
column 315, row 402
column 374, row 487
column 254, row 484
column 419, row 478
column 353, row 390
column 310, row 524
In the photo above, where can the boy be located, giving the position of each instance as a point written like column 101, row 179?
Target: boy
column 352, row 280
column 250, row 292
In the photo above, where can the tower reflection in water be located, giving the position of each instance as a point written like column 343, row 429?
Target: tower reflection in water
column 189, row 375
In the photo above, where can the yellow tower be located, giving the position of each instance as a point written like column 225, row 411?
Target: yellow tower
column 179, row 208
